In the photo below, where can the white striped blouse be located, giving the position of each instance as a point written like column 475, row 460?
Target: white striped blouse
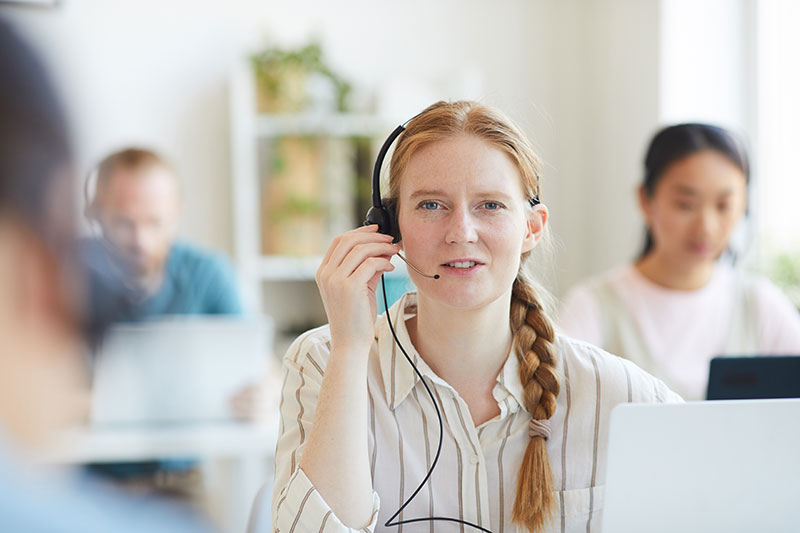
column 475, row 478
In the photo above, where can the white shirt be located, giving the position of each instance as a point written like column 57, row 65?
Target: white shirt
column 682, row 330
column 475, row 478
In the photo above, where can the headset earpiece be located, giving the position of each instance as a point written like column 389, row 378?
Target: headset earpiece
column 90, row 210
column 383, row 211
column 390, row 207
column 385, row 217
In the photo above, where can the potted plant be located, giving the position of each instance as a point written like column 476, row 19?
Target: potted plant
column 282, row 77
column 784, row 271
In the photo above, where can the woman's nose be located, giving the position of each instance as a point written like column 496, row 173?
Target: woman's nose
column 461, row 227
column 707, row 221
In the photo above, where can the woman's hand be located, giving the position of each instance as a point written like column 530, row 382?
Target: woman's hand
column 348, row 278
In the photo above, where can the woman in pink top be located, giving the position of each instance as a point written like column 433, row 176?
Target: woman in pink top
column 678, row 305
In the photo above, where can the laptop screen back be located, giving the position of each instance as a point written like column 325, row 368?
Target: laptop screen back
column 742, row 378
column 722, row 466
column 180, row 370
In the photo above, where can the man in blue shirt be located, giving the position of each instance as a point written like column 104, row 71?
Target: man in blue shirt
column 137, row 206
column 138, row 259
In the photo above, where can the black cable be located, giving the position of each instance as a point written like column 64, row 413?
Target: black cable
column 389, row 522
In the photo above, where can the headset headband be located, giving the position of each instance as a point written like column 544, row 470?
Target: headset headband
column 376, row 172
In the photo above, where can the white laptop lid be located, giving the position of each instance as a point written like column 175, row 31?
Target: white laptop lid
column 723, row 466
column 177, row 370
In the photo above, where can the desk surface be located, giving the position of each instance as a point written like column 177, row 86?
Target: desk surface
column 242, row 446
column 138, row 443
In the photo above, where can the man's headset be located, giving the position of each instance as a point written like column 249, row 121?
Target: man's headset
column 90, row 185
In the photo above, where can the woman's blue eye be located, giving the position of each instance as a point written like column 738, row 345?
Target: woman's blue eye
column 430, row 205
column 492, row 206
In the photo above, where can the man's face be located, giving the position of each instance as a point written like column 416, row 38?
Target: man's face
column 138, row 211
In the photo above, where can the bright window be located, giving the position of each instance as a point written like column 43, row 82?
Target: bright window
column 777, row 164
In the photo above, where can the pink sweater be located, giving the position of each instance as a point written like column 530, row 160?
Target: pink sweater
column 682, row 330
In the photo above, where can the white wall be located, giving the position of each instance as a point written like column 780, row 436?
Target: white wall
column 705, row 62
column 605, row 104
column 779, row 137
column 155, row 73
column 581, row 76
column 708, row 74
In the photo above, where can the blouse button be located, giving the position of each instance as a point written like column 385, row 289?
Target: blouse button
column 474, row 459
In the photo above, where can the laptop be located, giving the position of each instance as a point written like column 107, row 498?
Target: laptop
column 734, row 378
column 177, row 370
column 725, row 466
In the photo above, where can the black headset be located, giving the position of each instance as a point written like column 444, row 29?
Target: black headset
column 383, row 211
column 90, row 207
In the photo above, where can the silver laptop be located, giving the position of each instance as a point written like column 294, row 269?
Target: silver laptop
column 724, row 466
column 177, row 370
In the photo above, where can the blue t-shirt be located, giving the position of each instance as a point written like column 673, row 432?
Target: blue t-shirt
column 196, row 282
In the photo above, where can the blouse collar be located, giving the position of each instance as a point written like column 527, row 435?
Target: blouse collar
column 399, row 377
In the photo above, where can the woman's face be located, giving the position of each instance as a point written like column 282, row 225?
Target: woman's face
column 463, row 215
column 696, row 204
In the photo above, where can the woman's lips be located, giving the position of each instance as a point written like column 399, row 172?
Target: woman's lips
column 462, row 267
column 700, row 248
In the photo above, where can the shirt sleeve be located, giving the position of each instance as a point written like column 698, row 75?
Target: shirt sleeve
column 303, row 509
column 579, row 316
column 779, row 321
column 297, row 505
column 618, row 379
column 647, row 388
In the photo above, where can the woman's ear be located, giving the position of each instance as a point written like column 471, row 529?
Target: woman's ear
column 644, row 203
column 537, row 221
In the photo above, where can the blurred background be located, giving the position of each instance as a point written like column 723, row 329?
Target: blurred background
column 271, row 112
column 589, row 81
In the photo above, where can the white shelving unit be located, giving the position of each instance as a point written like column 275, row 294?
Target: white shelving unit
column 285, row 268
column 283, row 286
column 319, row 124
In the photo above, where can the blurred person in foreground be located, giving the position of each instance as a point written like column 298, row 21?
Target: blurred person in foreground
column 681, row 302
column 43, row 325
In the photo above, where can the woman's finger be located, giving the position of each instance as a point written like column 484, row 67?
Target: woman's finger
column 359, row 253
column 370, row 267
column 344, row 248
column 345, row 242
column 371, row 229
column 335, row 242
